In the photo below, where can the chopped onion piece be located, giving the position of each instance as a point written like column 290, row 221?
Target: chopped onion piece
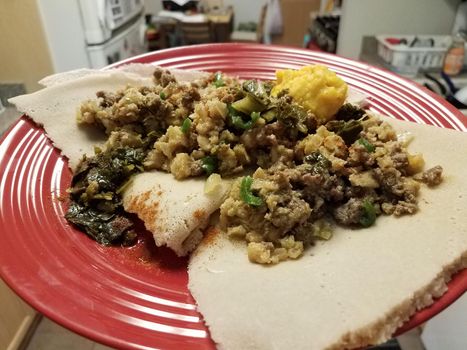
column 213, row 184
column 405, row 138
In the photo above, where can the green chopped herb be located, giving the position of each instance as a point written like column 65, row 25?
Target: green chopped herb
column 186, row 125
column 237, row 119
column 245, row 193
column 162, row 95
column 369, row 214
column 369, row 147
column 209, row 164
column 218, row 81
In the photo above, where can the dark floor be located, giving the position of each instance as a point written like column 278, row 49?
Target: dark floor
column 7, row 117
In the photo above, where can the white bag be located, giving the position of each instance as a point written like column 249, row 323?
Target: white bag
column 273, row 22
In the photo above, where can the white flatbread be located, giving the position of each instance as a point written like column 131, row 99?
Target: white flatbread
column 353, row 290
column 175, row 211
column 138, row 70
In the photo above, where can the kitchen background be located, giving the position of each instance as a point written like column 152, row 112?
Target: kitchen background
column 411, row 37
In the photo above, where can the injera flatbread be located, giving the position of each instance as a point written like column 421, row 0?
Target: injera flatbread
column 353, row 290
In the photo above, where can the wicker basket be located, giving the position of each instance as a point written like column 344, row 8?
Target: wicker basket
column 408, row 60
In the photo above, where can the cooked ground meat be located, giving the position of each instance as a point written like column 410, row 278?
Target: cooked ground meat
column 325, row 178
column 349, row 170
column 163, row 77
column 350, row 212
column 432, row 177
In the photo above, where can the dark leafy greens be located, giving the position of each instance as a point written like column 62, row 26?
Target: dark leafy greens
column 292, row 115
column 96, row 205
column 318, row 162
column 349, row 111
column 209, row 164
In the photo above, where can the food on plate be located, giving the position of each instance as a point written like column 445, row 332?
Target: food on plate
column 350, row 171
column 169, row 150
column 316, row 161
column 177, row 211
column 315, row 88
column 353, row 290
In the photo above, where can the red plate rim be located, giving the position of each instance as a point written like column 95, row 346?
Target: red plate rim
column 204, row 57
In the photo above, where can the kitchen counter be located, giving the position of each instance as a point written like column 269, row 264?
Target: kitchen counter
column 369, row 55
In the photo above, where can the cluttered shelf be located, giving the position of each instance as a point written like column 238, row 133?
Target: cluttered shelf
column 452, row 87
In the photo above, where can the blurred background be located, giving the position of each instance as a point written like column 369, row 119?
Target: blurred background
column 423, row 40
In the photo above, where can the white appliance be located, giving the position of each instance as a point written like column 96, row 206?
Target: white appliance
column 92, row 33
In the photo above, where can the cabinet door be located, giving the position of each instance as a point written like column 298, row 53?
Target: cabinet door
column 16, row 318
column 296, row 20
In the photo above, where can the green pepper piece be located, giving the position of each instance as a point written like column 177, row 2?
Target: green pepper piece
column 162, row 95
column 258, row 90
column 369, row 147
column 209, row 164
column 245, row 193
column 186, row 125
column 218, row 81
column 237, row 119
column 369, row 214
column 269, row 115
column 249, row 104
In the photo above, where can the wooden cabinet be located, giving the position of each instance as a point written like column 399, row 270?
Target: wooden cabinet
column 17, row 319
column 296, row 20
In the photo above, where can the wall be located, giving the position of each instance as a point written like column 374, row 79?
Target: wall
column 372, row 17
column 24, row 56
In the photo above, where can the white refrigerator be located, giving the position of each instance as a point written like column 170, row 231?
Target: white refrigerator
column 92, row 33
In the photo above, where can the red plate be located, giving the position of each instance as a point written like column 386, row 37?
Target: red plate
column 137, row 297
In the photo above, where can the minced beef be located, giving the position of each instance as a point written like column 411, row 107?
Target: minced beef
column 325, row 179
column 432, row 177
column 347, row 171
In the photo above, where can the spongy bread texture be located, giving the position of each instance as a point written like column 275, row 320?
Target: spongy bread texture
column 353, row 290
column 175, row 211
